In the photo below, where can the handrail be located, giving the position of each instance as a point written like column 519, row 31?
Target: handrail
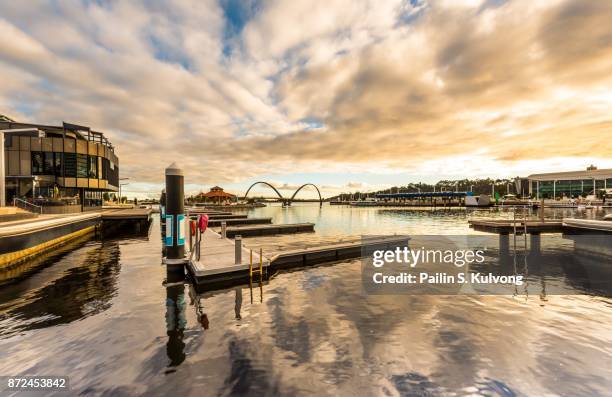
column 38, row 208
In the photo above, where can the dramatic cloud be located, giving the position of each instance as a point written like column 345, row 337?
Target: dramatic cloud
column 236, row 90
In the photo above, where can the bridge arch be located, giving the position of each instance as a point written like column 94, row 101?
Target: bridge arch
column 267, row 184
column 304, row 185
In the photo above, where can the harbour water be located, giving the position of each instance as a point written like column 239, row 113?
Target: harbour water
column 98, row 313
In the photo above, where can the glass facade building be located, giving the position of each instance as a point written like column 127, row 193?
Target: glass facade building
column 68, row 164
column 573, row 184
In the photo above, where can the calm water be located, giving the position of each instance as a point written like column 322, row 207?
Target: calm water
column 97, row 312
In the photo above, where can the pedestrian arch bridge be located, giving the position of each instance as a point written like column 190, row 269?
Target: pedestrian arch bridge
column 285, row 201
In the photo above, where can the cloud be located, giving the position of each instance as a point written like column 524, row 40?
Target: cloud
column 235, row 93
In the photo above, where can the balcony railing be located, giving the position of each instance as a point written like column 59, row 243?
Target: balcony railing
column 27, row 206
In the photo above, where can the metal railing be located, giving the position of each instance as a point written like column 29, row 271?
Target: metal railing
column 27, row 206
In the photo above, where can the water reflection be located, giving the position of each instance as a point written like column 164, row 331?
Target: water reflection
column 84, row 286
column 238, row 302
column 196, row 302
column 316, row 332
column 175, row 324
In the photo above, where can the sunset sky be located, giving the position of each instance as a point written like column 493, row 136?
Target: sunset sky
column 350, row 95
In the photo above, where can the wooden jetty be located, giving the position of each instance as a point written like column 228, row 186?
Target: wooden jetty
column 217, row 264
column 240, row 221
column 217, row 268
column 335, row 252
column 266, row 230
column 567, row 225
column 508, row 226
column 227, row 216
column 197, row 211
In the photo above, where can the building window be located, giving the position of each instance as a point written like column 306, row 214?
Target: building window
column 70, row 167
column 48, row 168
column 93, row 167
column 81, row 165
column 57, row 164
column 37, row 163
column 92, row 198
column 105, row 166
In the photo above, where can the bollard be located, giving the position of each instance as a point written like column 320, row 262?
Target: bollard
column 238, row 248
column 175, row 214
column 224, row 229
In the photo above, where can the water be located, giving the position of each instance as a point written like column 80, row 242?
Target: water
column 98, row 313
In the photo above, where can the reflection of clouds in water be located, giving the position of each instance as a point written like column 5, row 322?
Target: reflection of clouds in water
column 332, row 339
column 84, row 288
column 318, row 333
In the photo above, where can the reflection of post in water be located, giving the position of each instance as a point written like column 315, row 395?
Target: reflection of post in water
column 196, row 301
column 254, row 271
column 504, row 245
column 517, row 246
column 175, row 319
column 238, row 303
column 535, row 259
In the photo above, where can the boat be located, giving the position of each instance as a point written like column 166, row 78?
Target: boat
column 477, row 201
column 368, row 202
column 590, row 225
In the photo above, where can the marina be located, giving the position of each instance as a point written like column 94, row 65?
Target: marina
column 329, row 198
column 107, row 277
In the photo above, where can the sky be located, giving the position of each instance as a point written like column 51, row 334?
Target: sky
column 349, row 95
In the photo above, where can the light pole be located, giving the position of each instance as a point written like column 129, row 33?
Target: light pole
column 122, row 184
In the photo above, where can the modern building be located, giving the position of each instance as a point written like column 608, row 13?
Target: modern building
column 572, row 184
column 57, row 166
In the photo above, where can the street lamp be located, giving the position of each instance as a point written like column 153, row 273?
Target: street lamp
column 122, row 184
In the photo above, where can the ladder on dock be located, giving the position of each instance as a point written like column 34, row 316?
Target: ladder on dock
column 254, row 271
column 259, row 270
column 524, row 217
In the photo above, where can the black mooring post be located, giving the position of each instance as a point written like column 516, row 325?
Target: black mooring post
column 175, row 215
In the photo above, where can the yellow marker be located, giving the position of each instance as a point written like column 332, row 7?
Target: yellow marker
column 260, row 265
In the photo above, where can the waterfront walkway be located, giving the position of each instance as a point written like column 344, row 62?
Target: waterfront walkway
column 43, row 222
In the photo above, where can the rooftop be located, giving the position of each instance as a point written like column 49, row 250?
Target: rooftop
column 66, row 130
column 590, row 173
column 216, row 191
